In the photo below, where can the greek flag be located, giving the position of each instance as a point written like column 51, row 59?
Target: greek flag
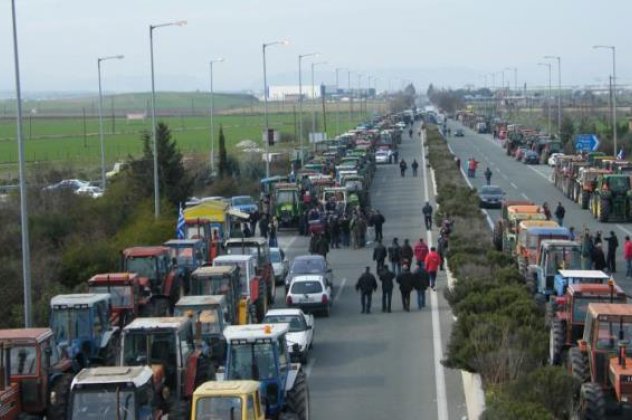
column 620, row 154
column 180, row 224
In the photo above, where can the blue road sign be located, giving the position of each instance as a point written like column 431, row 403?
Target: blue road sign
column 586, row 142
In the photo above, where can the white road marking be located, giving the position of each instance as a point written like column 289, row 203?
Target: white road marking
column 513, row 185
column 629, row 232
column 524, row 196
column 538, row 172
column 340, row 289
column 309, row 366
column 490, row 222
column 504, row 176
column 466, row 179
column 442, row 401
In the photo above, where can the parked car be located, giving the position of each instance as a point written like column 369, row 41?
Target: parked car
column 491, row 196
column 301, row 332
column 459, row 133
column 531, row 158
column 244, row 203
column 383, row 156
column 309, row 264
column 311, row 293
column 67, row 185
column 90, row 191
column 280, row 264
column 553, row 158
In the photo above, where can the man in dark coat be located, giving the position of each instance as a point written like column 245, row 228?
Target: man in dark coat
column 599, row 259
column 386, row 277
column 611, row 256
column 379, row 255
column 366, row 285
column 378, row 221
column 394, row 255
column 421, row 281
column 405, row 281
column 264, row 225
column 407, row 253
column 427, row 212
column 253, row 219
column 322, row 246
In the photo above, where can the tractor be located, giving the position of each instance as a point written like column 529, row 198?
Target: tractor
column 569, row 314
column 220, row 280
column 188, row 254
column 211, row 314
column 42, row 374
column 168, row 346
column 585, row 185
column 81, row 324
column 253, row 304
column 9, row 391
column 130, row 295
column 553, row 255
column 610, row 201
column 155, row 267
column 499, row 227
column 287, row 204
column 260, row 353
column 515, row 215
column 261, row 250
column 565, row 278
column 121, row 392
column 602, row 361
column 236, row 400
column 532, row 232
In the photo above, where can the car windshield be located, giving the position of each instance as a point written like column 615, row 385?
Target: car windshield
column 308, row 266
column 297, row 322
column 306, row 287
column 491, row 190
column 23, row 360
column 121, row 295
column 241, row 201
column 275, row 256
column 251, row 361
column 70, row 323
column 143, row 266
column 218, row 408
column 102, row 404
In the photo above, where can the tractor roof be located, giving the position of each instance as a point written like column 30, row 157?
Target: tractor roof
column 226, row 388
column 253, row 332
column 511, row 203
column 259, row 241
column 285, row 186
column 232, row 258
column 555, row 243
column 138, row 375
column 514, row 215
column 24, row 335
column 595, row 288
column 213, row 271
column 528, row 224
column 335, row 189
column 523, row 208
column 151, row 323
column 614, row 310
column 550, row 231
column 145, row 251
column 584, row 274
column 204, row 300
column 183, row 242
column 79, row 299
column 113, row 278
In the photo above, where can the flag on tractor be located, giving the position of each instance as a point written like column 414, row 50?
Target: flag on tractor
column 180, row 224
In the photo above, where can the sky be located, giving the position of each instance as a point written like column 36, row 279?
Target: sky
column 450, row 43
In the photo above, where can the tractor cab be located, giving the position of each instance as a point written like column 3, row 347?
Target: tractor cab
column 124, row 392
column 236, row 400
column 611, row 198
column 253, row 303
column 188, row 254
column 222, row 280
column 260, row 353
column 287, row 204
column 335, row 199
column 10, row 407
column 565, row 278
column 553, row 255
column 129, row 296
column 260, row 249
column 532, row 232
column 515, row 215
column 211, row 314
column 82, row 329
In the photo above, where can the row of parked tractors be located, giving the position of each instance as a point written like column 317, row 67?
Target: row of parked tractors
column 587, row 313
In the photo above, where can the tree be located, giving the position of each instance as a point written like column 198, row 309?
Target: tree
column 410, row 90
column 430, row 90
column 223, row 158
column 567, row 129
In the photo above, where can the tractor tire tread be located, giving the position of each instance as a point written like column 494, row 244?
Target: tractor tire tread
column 578, row 365
column 592, row 402
column 298, row 397
column 558, row 332
column 61, row 388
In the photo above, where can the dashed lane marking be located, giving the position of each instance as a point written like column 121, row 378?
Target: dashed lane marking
column 524, row 196
column 539, row 173
column 309, row 366
column 340, row 289
column 513, row 185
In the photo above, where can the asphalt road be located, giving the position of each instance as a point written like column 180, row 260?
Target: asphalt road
column 532, row 182
column 381, row 365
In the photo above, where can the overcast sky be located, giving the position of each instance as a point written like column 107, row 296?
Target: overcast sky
column 447, row 42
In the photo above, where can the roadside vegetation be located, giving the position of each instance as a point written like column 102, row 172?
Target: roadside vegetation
column 500, row 332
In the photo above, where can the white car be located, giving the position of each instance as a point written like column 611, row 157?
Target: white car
column 300, row 336
column 553, row 158
column 310, row 293
column 280, row 264
column 382, row 156
column 90, row 191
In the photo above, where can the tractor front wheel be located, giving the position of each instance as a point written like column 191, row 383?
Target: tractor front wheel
column 298, row 397
column 578, row 365
column 58, row 398
column 556, row 342
column 592, row 402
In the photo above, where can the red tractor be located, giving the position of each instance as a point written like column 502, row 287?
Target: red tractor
column 9, row 392
column 261, row 250
column 156, row 269
column 131, row 295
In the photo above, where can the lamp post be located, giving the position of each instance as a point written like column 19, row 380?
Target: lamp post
column 24, row 211
column 153, row 111
column 313, row 98
column 548, row 102
column 559, row 88
column 614, row 93
column 101, row 141
column 300, row 101
column 360, row 95
column 338, row 99
column 350, row 98
column 265, row 99
column 515, row 72
column 211, row 111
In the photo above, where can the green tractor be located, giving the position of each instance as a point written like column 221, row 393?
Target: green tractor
column 610, row 201
column 287, row 204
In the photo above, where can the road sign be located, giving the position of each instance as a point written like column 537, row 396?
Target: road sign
column 586, row 142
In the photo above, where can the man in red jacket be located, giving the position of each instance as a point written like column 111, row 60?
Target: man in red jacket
column 432, row 263
column 627, row 255
column 421, row 251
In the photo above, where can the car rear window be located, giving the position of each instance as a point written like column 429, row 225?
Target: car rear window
column 306, row 287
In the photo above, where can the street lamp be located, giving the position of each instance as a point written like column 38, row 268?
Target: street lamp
column 265, row 98
column 559, row 88
column 99, row 60
column 338, row 101
column 318, row 63
column 300, row 100
column 350, row 98
column 211, row 111
column 24, row 211
column 548, row 102
column 614, row 93
column 515, row 72
column 153, row 111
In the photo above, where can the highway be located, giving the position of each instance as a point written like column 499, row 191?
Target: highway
column 383, row 365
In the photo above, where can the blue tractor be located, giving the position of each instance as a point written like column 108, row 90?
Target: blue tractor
column 82, row 328
column 565, row 278
column 259, row 352
column 188, row 255
column 553, row 255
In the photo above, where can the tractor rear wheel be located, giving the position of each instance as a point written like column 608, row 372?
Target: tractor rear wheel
column 59, row 395
column 604, row 209
column 585, row 200
column 578, row 365
column 298, row 397
column 549, row 312
column 556, row 342
column 592, row 402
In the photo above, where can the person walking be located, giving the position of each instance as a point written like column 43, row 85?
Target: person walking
column 366, row 285
column 402, row 167
column 264, row 223
column 546, row 210
column 253, row 219
column 599, row 259
column 272, row 242
column 472, row 164
column 405, row 281
column 379, row 255
column 407, row 253
column 488, row 176
column 322, row 246
column 427, row 212
column 396, row 155
column 457, row 160
column 386, row 277
column 394, row 255
column 627, row 256
column 378, row 221
column 442, row 248
column 432, row 263
column 420, row 251
column 587, row 251
column 415, row 166
column 421, row 281
column 611, row 256
column 560, row 211
column 345, row 231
